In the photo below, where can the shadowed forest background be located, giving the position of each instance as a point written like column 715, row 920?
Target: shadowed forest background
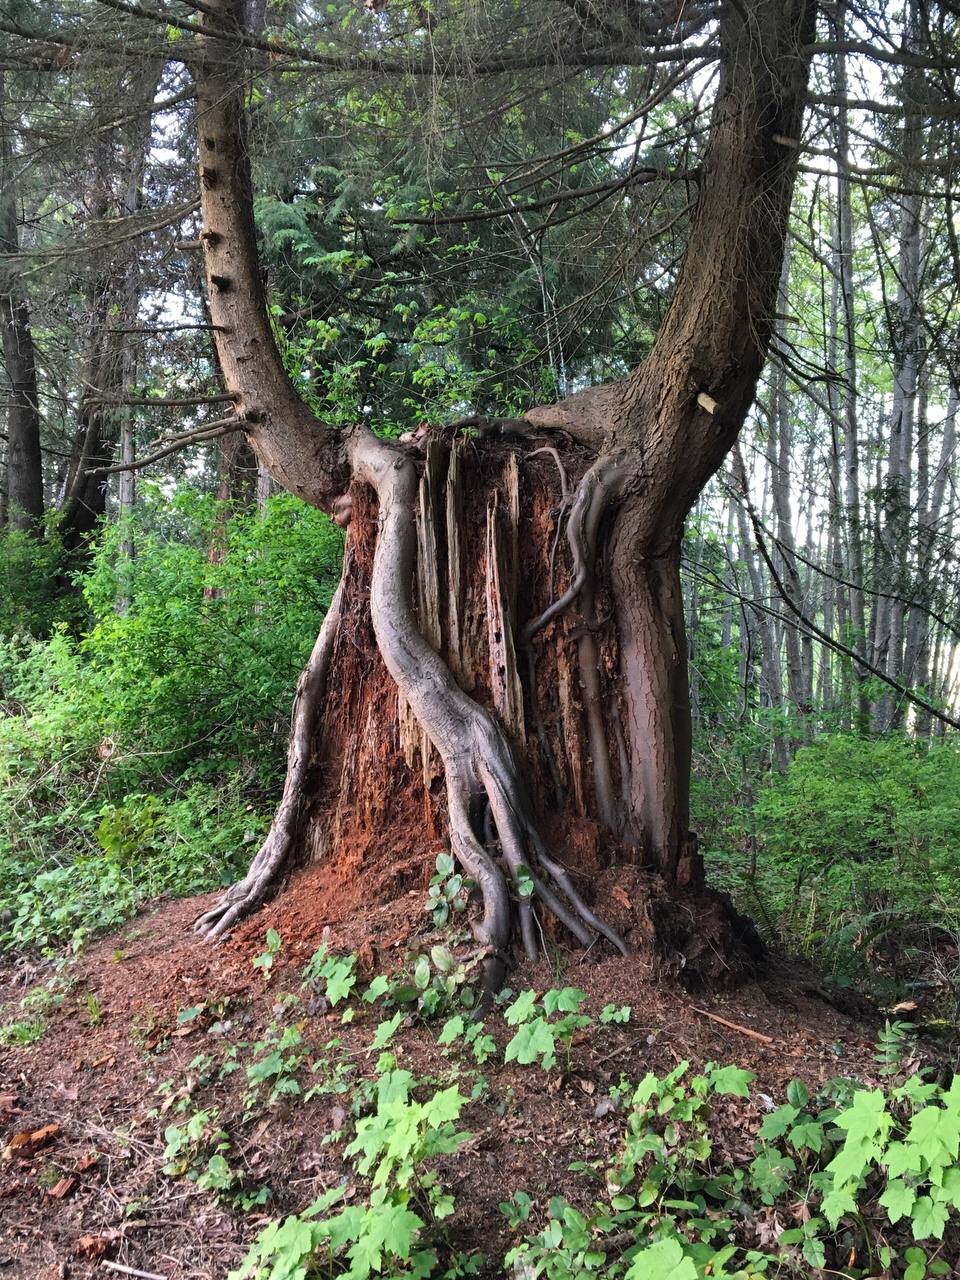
column 464, row 212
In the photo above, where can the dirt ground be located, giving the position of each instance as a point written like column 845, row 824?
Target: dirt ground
column 87, row 1186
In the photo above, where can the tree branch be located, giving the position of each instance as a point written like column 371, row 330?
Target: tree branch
column 209, row 431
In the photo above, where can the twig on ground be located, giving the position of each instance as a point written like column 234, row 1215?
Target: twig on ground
column 733, row 1026
column 132, row 1271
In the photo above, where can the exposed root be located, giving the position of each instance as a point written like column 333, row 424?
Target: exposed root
column 273, row 856
column 601, row 485
column 491, row 826
column 554, row 454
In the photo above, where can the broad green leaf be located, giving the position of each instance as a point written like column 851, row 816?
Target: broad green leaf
column 662, row 1261
column 777, row 1123
column 929, row 1218
column 838, row 1202
column 521, row 1009
column 898, row 1199
column 732, row 1080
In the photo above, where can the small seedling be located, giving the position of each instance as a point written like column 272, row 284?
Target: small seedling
column 265, row 960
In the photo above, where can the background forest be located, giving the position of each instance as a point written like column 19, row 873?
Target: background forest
column 152, row 629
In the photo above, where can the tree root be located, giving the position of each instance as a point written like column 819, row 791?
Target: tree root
column 601, row 485
column 273, row 856
column 488, row 810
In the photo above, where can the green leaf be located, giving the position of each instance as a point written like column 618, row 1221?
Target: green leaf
column 532, row 1040
column 452, row 1030
column 732, row 1080
column 662, row 1261
column 917, row 1264
column 898, row 1199
column 814, row 1253
column 935, row 1131
column 902, row 1157
column 949, row 1189
column 797, row 1094
column 444, row 1106
column 377, row 988
column 568, row 1000
column 386, row 1029
column 778, row 1122
column 444, row 864
column 807, row 1136
column 340, row 978
column 838, row 1202
column 444, row 961
column 929, row 1219
column 866, row 1116
column 521, row 1009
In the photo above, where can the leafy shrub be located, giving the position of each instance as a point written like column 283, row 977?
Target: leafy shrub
column 391, row 1233
column 32, row 572
column 859, row 837
column 144, row 756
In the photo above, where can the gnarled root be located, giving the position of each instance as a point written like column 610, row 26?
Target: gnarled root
column 601, row 486
column 482, row 778
column 273, row 856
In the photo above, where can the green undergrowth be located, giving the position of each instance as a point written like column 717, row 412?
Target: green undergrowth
column 142, row 752
column 849, row 860
column 705, row 1176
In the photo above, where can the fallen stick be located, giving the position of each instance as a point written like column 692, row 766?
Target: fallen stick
column 733, row 1026
column 132, row 1271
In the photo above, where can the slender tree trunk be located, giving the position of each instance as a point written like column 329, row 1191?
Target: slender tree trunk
column 24, row 459
column 847, row 378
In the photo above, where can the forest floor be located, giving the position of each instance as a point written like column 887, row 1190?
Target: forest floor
column 83, row 1109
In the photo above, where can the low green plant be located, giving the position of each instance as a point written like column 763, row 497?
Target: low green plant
column 333, row 976
column 277, row 1061
column 446, row 892
column 539, row 1030
column 267, row 957
column 395, row 1231
column 614, row 1013
column 23, row 1031
column 198, row 1149
column 870, row 1178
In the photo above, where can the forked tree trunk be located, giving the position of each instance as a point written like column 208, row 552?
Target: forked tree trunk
column 507, row 646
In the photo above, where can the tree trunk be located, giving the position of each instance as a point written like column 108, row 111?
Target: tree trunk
column 527, row 705
column 24, row 460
